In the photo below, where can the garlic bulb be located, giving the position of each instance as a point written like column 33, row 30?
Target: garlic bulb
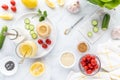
column 116, row 34
column 74, row 7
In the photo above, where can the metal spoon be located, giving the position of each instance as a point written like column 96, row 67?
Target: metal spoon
column 22, row 60
column 6, row 34
column 67, row 31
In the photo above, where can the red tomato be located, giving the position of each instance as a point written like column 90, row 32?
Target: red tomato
column 13, row 2
column 96, row 67
column 5, row 7
column 93, row 61
column 48, row 41
column 83, row 59
column 90, row 66
column 40, row 41
column 13, row 8
column 89, row 71
column 93, row 57
column 44, row 46
column 86, row 68
column 87, row 55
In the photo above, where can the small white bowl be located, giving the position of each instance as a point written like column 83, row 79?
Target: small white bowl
column 64, row 65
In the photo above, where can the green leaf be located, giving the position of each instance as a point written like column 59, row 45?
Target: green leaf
column 106, row 0
column 97, row 2
column 45, row 13
column 112, row 4
column 39, row 12
column 41, row 18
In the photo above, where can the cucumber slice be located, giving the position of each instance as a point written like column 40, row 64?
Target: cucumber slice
column 34, row 36
column 27, row 26
column 32, row 32
column 27, row 21
column 31, row 27
column 95, row 29
column 89, row 34
column 94, row 22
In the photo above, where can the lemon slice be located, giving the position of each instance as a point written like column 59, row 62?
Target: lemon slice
column 37, row 69
column 44, row 30
column 50, row 4
column 61, row 2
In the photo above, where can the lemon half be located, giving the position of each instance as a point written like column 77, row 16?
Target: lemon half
column 30, row 3
column 37, row 69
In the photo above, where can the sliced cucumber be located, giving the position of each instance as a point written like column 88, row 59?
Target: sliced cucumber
column 94, row 22
column 89, row 34
column 27, row 21
column 31, row 27
column 27, row 26
column 95, row 29
column 34, row 36
column 32, row 32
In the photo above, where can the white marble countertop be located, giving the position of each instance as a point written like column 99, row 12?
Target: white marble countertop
column 62, row 19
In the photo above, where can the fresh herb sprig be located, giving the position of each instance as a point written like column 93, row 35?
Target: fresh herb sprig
column 42, row 15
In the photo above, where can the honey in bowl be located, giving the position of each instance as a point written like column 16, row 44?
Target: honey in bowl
column 25, row 49
column 28, row 49
column 82, row 47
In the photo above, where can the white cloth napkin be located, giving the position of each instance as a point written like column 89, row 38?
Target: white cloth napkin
column 109, row 54
column 79, row 76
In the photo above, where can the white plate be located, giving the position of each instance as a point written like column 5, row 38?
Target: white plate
column 21, row 26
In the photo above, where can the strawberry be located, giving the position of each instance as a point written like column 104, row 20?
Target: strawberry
column 13, row 8
column 5, row 7
column 13, row 2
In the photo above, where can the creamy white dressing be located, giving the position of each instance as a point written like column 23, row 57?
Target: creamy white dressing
column 67, row 59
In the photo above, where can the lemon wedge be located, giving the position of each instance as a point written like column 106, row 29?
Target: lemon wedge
column 50, row 4
column 6, row 16
column 37, row 69
column 61, row 2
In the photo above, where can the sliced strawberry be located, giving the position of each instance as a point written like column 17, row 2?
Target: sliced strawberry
column 13, row 2
column 5, row 7
column 13, row 8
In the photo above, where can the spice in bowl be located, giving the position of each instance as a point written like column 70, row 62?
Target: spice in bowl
column 82, row 47
column 67, row 59
column 89, row 64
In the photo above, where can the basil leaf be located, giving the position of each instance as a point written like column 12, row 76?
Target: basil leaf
column 39, row 12
column 41, row 18
column 45, row 13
